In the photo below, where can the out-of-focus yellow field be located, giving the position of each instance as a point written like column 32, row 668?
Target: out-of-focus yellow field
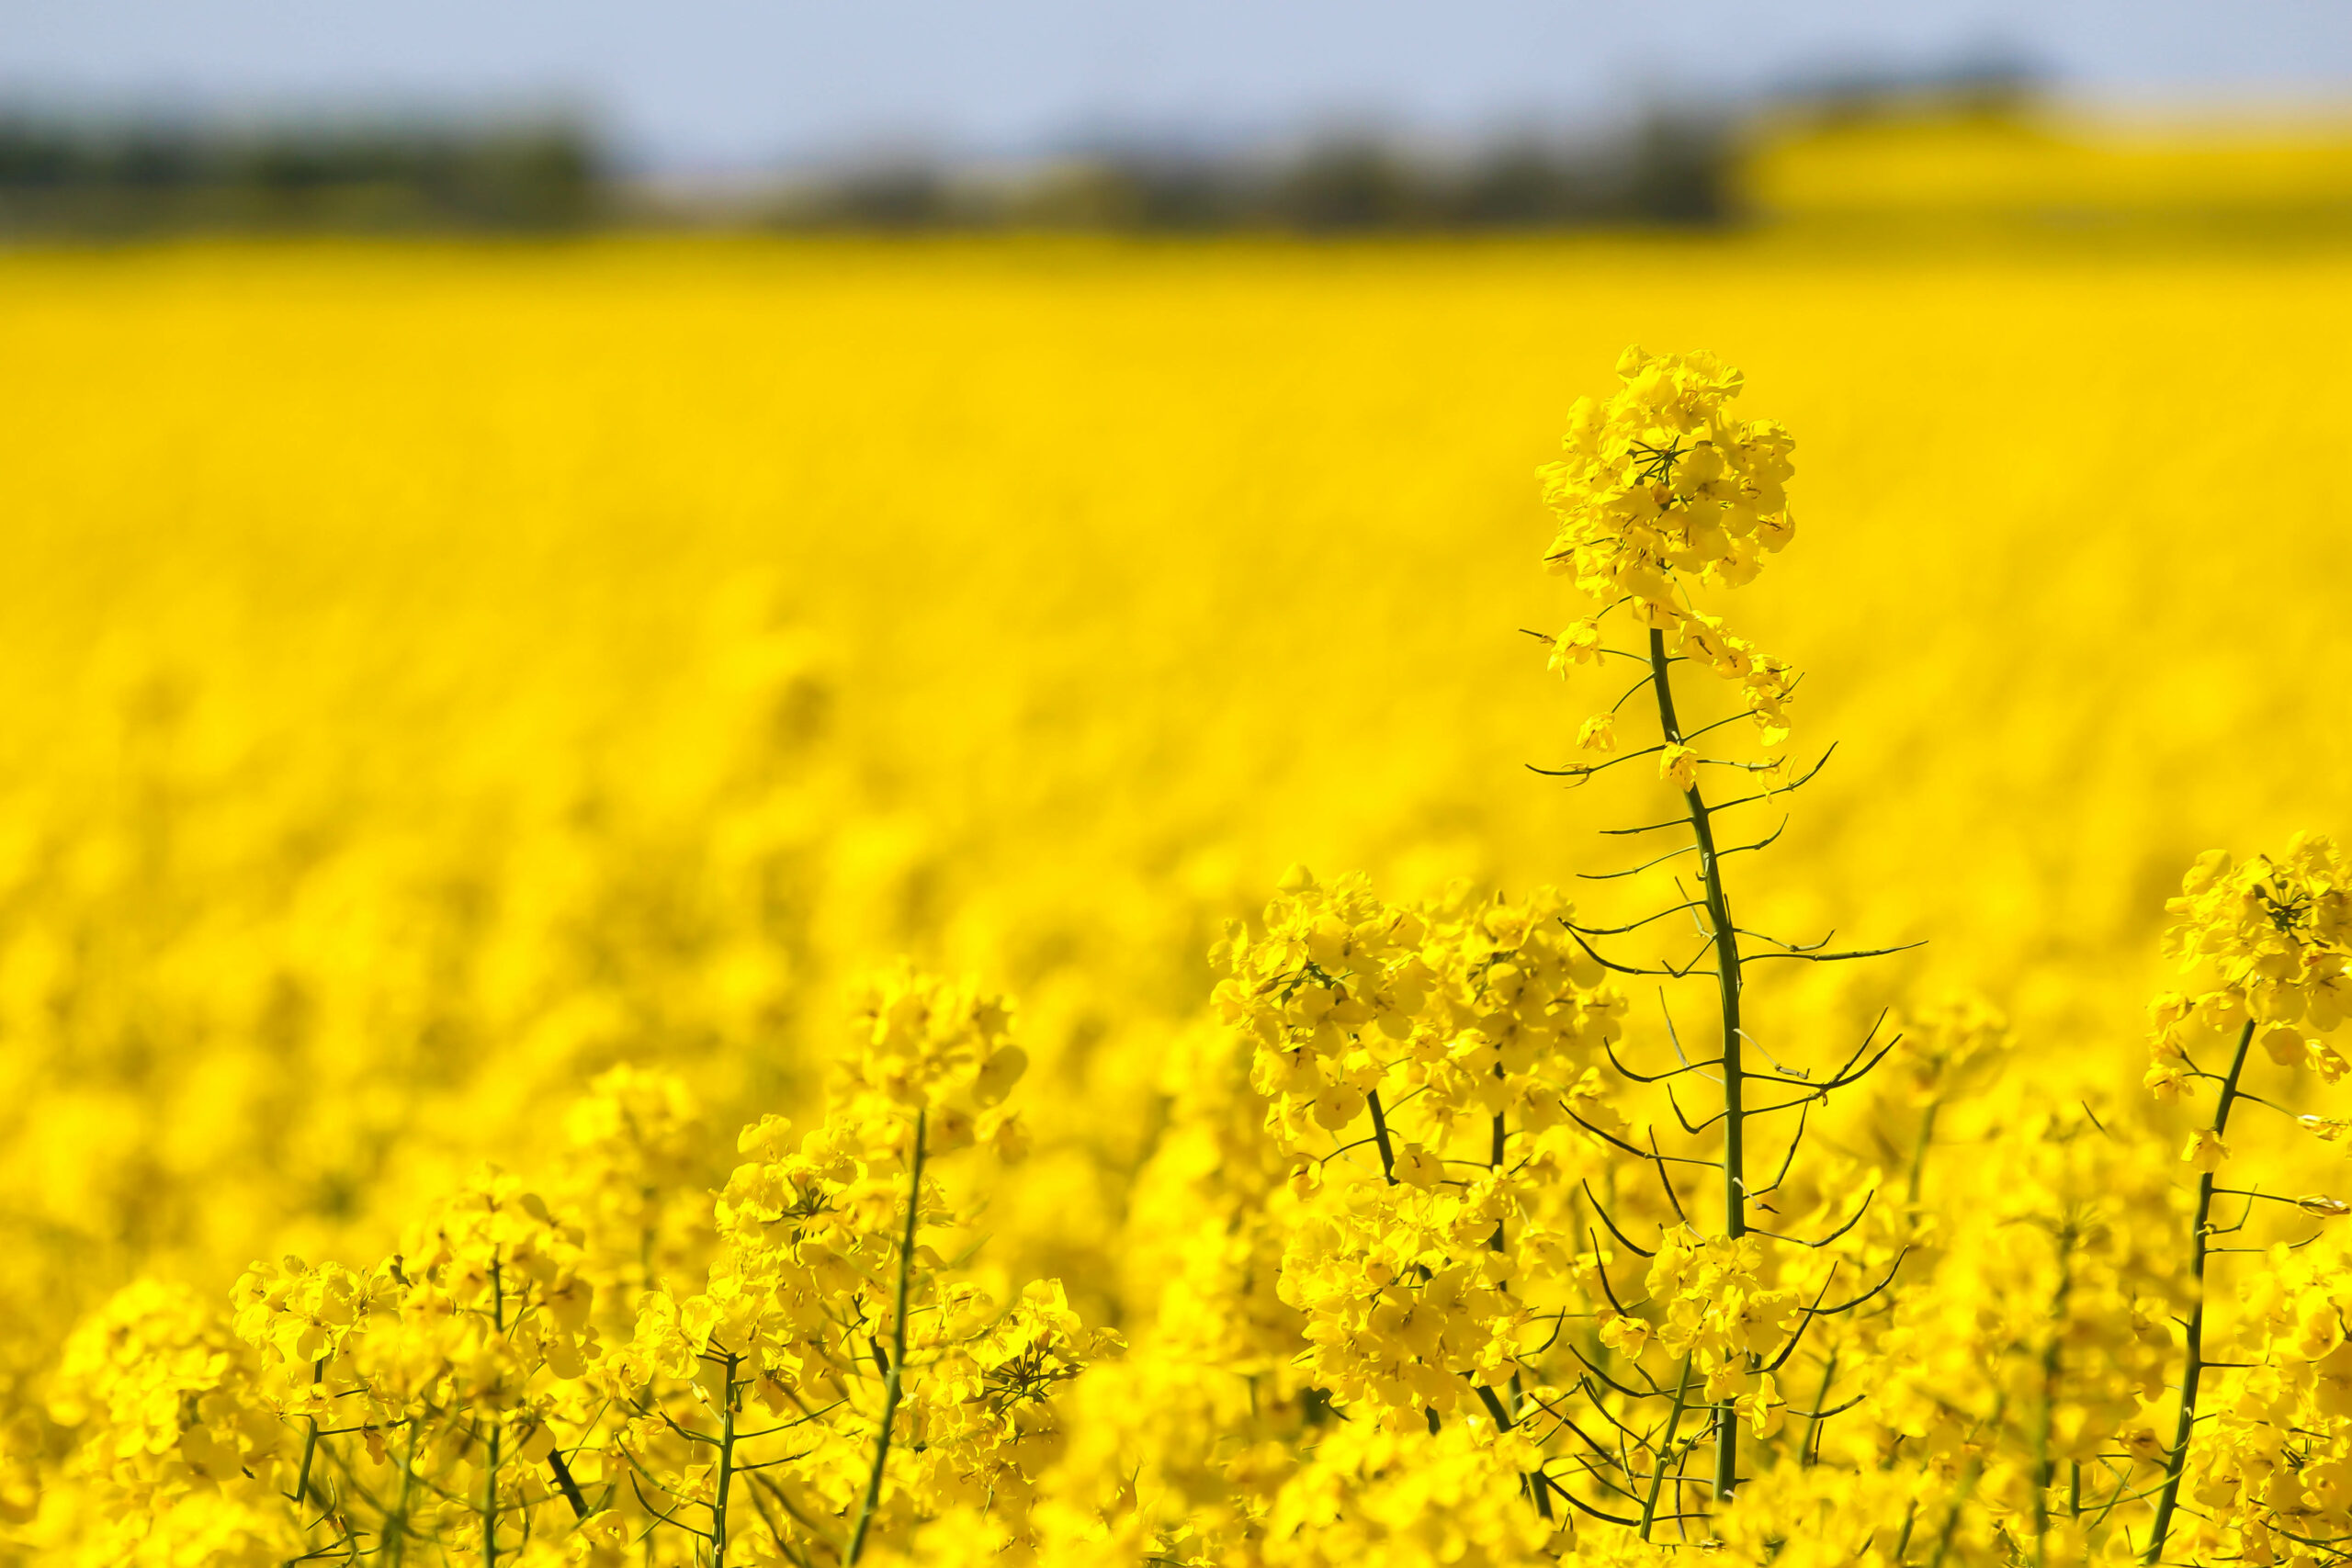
column 1939, row 162
column 433, row 673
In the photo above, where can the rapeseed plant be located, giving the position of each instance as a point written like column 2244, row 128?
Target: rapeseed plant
column 1440, row 1234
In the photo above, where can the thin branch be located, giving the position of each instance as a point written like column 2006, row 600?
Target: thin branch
column 1848, row 1306
column 1588, row 770
column 1835, row 957
column 1685, row 1120
column 1637, row 925
column 668, row 1519
column 1634, row 871
column 1600, row 1208
column 1651, row 1154
column 1613, row 963
column 1767, row 841
column 1785, row 944
column 1605, row 1377
column 1787, row 1159
column 1811, row 1313
column 1666, row 1182
column 1575, row 1501
column 1847, row 1074
column 1601, row 1269
column 1626, row 1072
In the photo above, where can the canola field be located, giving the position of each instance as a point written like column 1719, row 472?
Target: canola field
column 487, row 724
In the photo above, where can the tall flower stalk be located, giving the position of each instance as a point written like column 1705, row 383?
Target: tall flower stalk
column 1724, row 939
column 2201, row 1246
column 2277, row 935
column 1665, row 495
column 894, row 1380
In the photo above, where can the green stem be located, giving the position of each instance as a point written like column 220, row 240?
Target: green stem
column 490, row 1504
column 1812, row 1450
column 566, row 1485
column 490, row 1475
column 1380, row 1137
column 1495, row 1162
column 398, row 1534
column 2176, row 1460
column 309, row 1450
column 1727, row 975
column 727, row 1452
column 1673, row 1424
column 2045, row 1473
column 310, row 1444
column 1919, row 1151
column 894, row 1379
column 645, row 1233
column 1535, row 1483
column 1968, row 1479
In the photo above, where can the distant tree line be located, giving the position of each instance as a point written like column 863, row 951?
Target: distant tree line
column 80, row 176
column 68, row 176
column 1667, row 172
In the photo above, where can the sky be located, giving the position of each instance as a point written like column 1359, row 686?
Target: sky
column 716, row 84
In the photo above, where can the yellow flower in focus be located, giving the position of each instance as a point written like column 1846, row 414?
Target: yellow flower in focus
column 1665, row 491
column 1580, row 644
column 1678, row 765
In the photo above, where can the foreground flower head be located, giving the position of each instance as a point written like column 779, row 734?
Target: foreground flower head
column 1664, row 492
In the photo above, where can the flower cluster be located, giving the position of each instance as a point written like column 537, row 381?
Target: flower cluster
column 2277, row 935
column 638, row 1171
column 1448, row 1052
column 179, row 1459
column 886, row 1390
column 460, row 1363
column 2271, row 1476
column 1413, row 1499
column 933, row 1049
column 1717, row 1308
column 834, row 1382
column 2030, row 1364
column 1665, row 489
column 1480, row 1007
column 2250, row 1453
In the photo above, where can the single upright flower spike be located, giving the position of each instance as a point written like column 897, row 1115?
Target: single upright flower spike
column 2278, row 934
column 1662, row 490
column 2275, row 932
column 940, row 1049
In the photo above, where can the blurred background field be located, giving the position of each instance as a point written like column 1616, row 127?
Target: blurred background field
column 495, row 594
column 438, row 673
